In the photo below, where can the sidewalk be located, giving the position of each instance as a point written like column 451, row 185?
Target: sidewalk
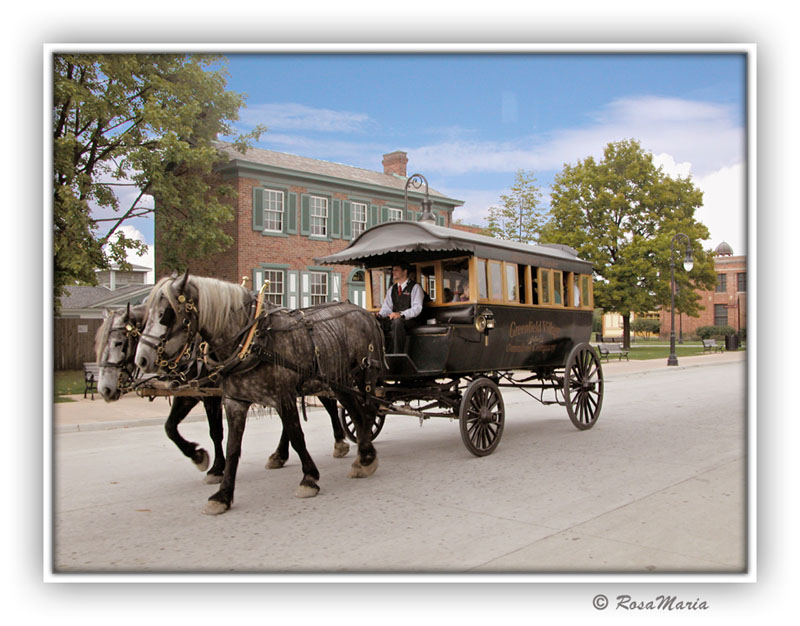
column 131, row 410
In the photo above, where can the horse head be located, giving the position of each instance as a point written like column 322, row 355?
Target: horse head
column 115, row 346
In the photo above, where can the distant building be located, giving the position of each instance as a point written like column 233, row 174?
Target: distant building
column 292, row 209
column 725, row 305
column 115, row 289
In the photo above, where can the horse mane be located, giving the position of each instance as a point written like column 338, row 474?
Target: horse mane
column 219, row 304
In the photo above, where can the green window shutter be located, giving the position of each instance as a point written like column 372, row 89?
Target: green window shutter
column 373, row 216
column 305, row 289
column 335, row 279
column 384, row 214
column 290, row 224
column 336, row 214
column 305, row 216
column 292, row 289
column 347, row 224
column 258, row 208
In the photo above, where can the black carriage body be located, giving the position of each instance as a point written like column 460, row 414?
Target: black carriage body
column 521, row 304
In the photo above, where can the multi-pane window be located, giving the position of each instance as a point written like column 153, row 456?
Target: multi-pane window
column 722, row 283
column 359, row 218
column 274, row 291
column 720, row 315
column 319, row 216
column 319, row 287
column 395, row 215
column 273, row 210
column 741, row 281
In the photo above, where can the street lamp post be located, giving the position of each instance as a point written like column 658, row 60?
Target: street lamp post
column 688, row 264
column 416, row 181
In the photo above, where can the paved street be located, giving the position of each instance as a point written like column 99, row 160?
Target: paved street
column 658, row 485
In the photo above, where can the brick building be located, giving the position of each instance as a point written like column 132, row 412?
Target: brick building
column 292, row 209
column 726, row 305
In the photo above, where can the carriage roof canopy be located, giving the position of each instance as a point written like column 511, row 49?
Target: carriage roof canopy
column 400, row 242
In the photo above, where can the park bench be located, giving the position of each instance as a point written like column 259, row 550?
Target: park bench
column 710, row 345
column 91, row 372
column 616, row 349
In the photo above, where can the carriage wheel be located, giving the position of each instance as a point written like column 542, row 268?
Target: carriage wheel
column 481, row 416
column 350, row 428
column 583, row 386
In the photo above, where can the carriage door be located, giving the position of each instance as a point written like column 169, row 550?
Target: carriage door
column 356, row 291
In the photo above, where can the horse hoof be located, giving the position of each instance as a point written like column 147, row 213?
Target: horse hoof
column 362, row 471
column 204, row 461
column 275, row 461
column 306, row 491
column 340, row 449
column 214, row 508
column 212, row 479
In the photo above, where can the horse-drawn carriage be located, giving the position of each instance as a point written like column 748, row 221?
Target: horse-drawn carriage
column 500, row 314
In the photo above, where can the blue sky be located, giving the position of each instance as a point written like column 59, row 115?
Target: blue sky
column 469, row 122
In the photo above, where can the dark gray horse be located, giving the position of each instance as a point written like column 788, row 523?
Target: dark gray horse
column 336, row 347
column 115, row 345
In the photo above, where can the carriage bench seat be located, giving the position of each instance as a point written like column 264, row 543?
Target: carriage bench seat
column 710, row 345
column 616, row 349
column 91, row 373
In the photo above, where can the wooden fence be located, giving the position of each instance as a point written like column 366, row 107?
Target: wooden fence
column 73, row 342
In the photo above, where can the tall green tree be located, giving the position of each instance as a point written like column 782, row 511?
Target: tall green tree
column 146, row 122
column 519, row 216
column 622, row 213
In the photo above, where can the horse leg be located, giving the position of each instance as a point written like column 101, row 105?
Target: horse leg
column 181, row 406
column 214, row 415
column 367, row 461
column 278, row 458
column 340, row 447
column 308, row 487
column 237, row 417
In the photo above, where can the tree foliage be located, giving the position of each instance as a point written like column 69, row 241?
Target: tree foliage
column 519, row 217
column 622, row 213
column 146, row 122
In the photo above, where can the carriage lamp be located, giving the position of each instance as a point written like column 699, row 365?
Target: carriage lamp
column 485, row 321
column 688, row 264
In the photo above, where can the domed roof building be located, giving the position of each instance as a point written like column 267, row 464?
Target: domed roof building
column 723, row 249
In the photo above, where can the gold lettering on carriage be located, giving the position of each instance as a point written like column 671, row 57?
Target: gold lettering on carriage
column 532, row 336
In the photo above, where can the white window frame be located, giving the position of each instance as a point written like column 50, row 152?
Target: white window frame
column 397, row 213
column 274, row 203
column 356, row 208
column 318, row 211
column 314, row 284
column 275, row 277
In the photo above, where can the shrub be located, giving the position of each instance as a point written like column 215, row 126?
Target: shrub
column 645, row 327
column 716, row 332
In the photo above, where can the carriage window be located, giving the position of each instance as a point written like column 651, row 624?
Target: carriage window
column 427, row 279
column 455, row 280
column 512, row 293
column 534, row 285
column 585, row 291
column 496, row 280
column 576, row 290
column 483, row 285
column 522, row 283
column 544, row 286
column 557, row 288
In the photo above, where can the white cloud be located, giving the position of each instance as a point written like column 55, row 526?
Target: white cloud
column 670, row 167
column 291, row 116
column 147, row 259
column 724, row 209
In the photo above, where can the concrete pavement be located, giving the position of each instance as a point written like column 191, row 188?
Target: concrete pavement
column 131, row 410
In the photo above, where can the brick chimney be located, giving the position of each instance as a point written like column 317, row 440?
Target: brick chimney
column 395, row 163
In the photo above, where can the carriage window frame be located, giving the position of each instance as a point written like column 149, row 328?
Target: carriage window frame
column 544, row 286
column 513, row 267
column 496, row 292
column 482, row 279
column 557, row 287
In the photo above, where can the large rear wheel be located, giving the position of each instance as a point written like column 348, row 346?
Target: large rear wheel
column 583, row 386
column 481, row 416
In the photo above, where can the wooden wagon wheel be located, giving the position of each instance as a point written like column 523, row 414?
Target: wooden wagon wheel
column 350, row 428
column 583, row 386
column 481, row 416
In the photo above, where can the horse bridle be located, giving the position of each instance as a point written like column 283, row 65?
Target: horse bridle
column 191, row 322
column 125, row 366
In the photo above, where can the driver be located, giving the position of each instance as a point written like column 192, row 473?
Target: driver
column 401, row 307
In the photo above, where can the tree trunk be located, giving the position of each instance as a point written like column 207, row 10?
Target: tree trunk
column 626, row 331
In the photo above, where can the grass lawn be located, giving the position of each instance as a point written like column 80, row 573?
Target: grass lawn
column 67, row 382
